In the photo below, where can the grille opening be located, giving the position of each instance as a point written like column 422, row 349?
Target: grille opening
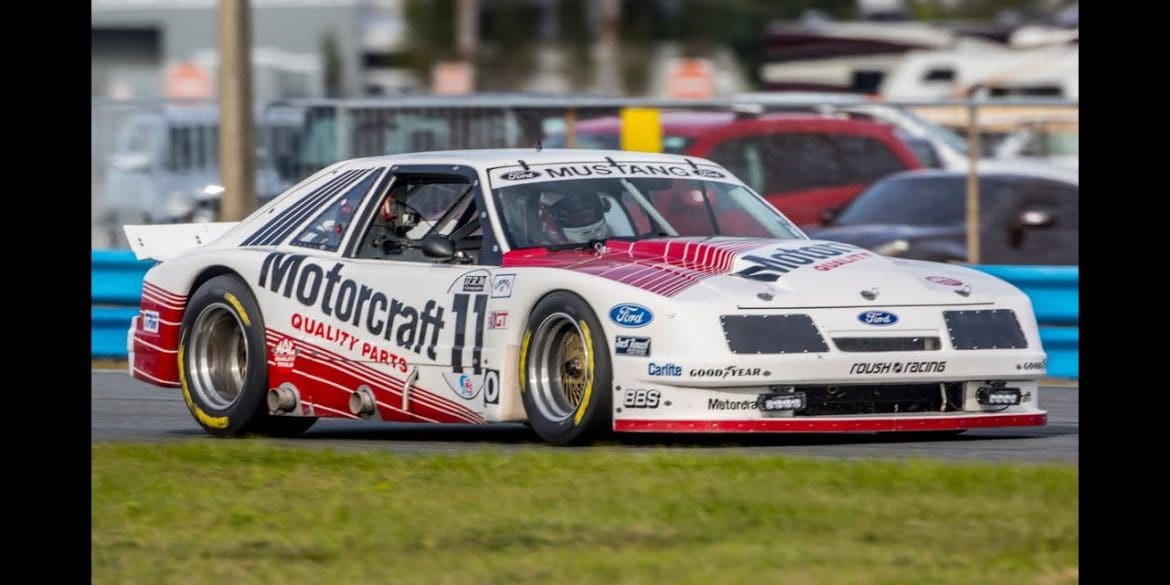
column 985, row 329
column 864, row 344
column 772, row 334
column 837, row 399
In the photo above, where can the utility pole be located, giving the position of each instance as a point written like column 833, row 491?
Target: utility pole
column 237, row 154
column 608, row 75
column 467, row 30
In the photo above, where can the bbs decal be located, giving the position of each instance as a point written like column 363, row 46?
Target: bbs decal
column 642, row 398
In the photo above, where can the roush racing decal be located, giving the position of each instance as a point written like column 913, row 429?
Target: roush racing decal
column 897, row 367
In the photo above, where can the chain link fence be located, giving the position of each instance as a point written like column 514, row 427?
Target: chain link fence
column 156, row 162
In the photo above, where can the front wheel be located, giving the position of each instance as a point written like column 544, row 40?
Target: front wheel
column 565, row 372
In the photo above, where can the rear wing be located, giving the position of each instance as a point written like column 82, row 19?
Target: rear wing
column 164, row 241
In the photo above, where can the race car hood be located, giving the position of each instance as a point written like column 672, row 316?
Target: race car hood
column 764, row 273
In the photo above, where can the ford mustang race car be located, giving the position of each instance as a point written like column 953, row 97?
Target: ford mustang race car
column 577, row 291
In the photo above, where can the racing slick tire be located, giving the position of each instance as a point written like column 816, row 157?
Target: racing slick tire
column 565, row 371
column 223, row 365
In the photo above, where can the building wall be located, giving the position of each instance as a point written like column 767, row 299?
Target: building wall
column 187, row 29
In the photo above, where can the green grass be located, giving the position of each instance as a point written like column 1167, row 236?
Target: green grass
column 254, row 512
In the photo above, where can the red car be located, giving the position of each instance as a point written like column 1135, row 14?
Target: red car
column 803, row 164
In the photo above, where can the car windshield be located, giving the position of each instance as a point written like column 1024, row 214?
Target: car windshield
column 575, row 212
column 917, row 201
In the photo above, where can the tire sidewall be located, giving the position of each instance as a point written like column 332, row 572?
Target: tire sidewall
column 598, row 409
column 251, row 405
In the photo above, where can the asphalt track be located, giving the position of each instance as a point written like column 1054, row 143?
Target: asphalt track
column 124, row 409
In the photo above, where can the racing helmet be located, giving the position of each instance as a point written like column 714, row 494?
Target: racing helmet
column 573, row 218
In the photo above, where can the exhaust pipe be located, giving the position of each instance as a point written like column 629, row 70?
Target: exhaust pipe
column 282, row 400
column 361, row 402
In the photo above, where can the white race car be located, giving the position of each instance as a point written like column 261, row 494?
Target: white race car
column 579, row 291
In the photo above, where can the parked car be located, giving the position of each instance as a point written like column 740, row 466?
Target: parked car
column 935, row 145
column 165, row 169
column 1025, row 217
column 551, row 288
column 1052, row 143
column 804, row 164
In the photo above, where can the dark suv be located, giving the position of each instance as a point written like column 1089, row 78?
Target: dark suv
column 1028, row 217
column 804, row 164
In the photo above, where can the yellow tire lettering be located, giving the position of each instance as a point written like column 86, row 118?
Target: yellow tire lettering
column 589, row 381
column 524, row 360
column 239, row 308
column 215, row 422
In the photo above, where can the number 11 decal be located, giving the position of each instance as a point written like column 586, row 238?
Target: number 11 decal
column 461, row 304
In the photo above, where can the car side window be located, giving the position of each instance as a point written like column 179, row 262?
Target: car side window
column 327, row 230
column 796, row 162
column 416, row 206
column 741, row 156
column 869, row 158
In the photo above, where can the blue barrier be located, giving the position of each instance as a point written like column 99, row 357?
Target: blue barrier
column 1055, row 295
column 115, row 291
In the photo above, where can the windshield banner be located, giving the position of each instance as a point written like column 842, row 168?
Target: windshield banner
column 533, row 173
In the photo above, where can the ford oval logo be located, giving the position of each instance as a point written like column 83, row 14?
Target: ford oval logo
column 519, row 175
column 630, row 315
column 877, row 318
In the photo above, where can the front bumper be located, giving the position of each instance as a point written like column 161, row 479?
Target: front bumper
column 856, row 407
column 856, row 424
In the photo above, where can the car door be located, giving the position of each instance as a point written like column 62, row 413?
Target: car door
column 364, row 307
column 426, row 318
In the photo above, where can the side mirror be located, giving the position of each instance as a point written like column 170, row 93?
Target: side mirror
column 1034, row 219
column 438, row 246
column 828, row 215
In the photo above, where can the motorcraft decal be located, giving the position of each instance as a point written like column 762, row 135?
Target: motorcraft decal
column 294, row 276
column 785, row 259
